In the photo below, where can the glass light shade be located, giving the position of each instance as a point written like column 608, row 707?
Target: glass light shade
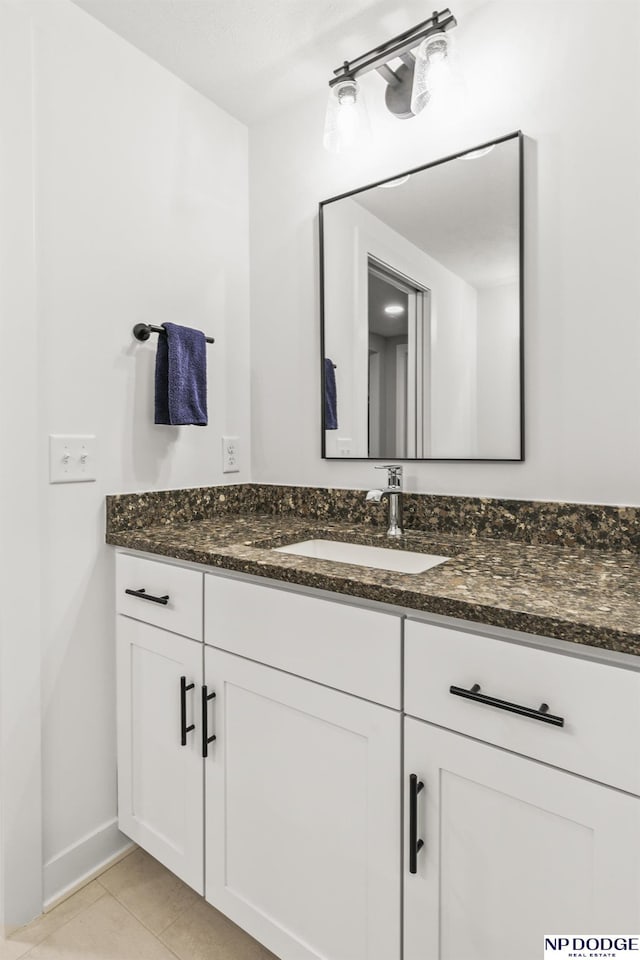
column 432, row 72
column 346, row 124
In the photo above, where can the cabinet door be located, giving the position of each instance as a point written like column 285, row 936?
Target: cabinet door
column 513, row 850
column 303, row 814
column 160, row 781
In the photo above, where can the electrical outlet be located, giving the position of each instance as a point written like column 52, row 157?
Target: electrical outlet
column 230, row 455
column 72, row 459
column 344, row 446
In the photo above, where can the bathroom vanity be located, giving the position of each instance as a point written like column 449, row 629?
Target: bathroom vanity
column 352, row 779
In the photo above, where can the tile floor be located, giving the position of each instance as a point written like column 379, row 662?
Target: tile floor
column 136, row 910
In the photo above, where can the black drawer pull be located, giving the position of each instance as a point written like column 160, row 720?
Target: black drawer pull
column 143, row 595
column 206, row 739
column 184, row 729
column 415, row 845
column 542, row 713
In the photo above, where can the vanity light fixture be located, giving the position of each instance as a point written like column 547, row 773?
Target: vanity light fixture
column 410, row 86
column 347, row 121
column 394, row 309
column 431, row 70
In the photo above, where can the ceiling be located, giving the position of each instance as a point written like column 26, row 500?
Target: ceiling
column 256, row 57
column 383, row 294
column 464, row 213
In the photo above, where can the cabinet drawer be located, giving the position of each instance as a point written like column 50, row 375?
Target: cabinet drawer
column 600, row 704
column 182, row 588
column 335, row 644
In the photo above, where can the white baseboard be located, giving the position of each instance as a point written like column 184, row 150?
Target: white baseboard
column 79, row 863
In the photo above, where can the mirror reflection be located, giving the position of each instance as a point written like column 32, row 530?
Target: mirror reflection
column 422, row 312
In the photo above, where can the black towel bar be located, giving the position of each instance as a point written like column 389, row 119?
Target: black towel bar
column 142, row 331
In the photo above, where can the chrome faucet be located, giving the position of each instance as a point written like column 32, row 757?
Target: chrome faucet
column 394, row 495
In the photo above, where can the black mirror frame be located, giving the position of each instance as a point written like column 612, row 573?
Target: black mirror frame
column 521, row 217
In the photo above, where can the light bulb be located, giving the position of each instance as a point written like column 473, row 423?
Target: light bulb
column 346, row 124
column 432, row 70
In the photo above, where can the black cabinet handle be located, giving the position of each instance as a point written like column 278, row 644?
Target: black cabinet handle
column 206, row 739
column 184, row 729
column 143, row 595
column 542, row 713
column 415, row 845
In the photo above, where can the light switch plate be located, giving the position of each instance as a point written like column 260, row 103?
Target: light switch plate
column 230, row 454
column 72, row 459
column 344, row 446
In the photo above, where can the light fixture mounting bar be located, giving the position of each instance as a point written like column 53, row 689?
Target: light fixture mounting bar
column 398, row 46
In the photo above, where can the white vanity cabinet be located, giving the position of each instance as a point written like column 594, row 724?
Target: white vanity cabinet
column 160, row 769
column 295, row 748
column 302, row 813
column 502, row 848
column 303, row 805
column 512, row 850
column 269, row 736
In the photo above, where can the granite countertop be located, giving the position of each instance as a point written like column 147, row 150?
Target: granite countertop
column 577, row 594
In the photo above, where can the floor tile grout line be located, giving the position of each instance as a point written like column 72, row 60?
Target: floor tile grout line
column 62, row 925
column 105, row 892
column 172, row 924
column 108, row 893
column 157, row 936
column 23, row 956
column 144, row 925
column 96, row 880
column 93, row 877
column 156, row 933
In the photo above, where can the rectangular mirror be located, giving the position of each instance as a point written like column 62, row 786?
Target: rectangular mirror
column 421, row 280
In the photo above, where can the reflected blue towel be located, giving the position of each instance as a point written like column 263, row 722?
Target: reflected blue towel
column 330, row 396
column 181, row 377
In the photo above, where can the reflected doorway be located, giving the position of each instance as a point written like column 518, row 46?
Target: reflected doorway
column 398, row 343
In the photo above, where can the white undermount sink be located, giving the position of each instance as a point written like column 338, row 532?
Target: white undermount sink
column 363, row 555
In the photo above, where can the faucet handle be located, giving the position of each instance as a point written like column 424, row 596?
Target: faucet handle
column 394, row 475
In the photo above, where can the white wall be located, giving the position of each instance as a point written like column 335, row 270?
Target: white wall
column 20, row 773
column 541, row 67
column 141, row 214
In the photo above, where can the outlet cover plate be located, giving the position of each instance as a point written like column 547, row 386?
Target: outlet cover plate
column 230, row 454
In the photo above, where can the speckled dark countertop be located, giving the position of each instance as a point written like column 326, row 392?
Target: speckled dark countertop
column 574, row 593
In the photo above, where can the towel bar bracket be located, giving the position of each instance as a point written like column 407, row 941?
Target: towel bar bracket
column 142, row 332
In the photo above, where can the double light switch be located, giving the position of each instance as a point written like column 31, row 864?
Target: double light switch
column 72, row 459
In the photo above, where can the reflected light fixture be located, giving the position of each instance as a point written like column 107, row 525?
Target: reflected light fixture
column 474, row 154
column 410, row 86
column 394, row 309
column 396, row 182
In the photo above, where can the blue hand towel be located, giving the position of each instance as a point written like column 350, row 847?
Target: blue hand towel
column 330, row 396
column 181, row 377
